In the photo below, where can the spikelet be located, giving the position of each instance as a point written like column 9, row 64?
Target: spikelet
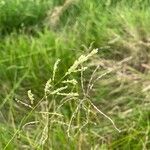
column 93, row 52
column 73, row 81
column 55, row 68
column 81, row 60
column 71, row 94
column 31, row 96
column 48, row 86
column 25, row 104
column 59, row 90
column 44, row 135
column 82, row 69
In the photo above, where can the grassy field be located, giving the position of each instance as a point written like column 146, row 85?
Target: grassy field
column 75, row 74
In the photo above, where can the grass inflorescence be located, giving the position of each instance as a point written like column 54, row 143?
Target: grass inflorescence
column 59, row 90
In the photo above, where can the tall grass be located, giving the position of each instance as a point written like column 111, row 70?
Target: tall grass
column 119, row 73
column 16, row 15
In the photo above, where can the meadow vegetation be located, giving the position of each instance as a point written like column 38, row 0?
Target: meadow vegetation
column 75, row 74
